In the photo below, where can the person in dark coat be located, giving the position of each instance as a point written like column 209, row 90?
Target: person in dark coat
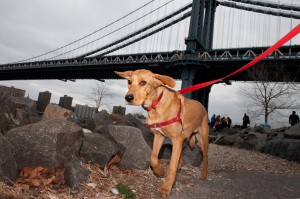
column 246, row 121
column 294, row 118
column 229, row 122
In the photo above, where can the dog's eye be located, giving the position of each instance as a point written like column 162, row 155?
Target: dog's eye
column 143, row 83
column 129, row 82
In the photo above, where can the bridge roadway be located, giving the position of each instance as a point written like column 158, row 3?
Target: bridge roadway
column 210, row 64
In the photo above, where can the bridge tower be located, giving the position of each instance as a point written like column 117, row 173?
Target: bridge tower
column 200, row 38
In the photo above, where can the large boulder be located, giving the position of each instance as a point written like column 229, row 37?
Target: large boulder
column 49, row 143
column 284, row 148
column 100, row 119
column 133, row 149
column 98, row 148
column 253, row 141
column 293, row 132
column 228, row 140
column 130, row 120
column 8, row 166
column 54, row 111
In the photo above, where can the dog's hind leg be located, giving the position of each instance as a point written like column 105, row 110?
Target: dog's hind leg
column 203, row 143
column 157, row 143
column 192, row 141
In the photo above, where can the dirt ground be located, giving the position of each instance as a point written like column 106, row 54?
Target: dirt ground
column 233, row 173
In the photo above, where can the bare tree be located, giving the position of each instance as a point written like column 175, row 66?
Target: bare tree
column 98, row 94
column 272, row 90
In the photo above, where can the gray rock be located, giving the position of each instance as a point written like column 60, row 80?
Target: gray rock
column 130, row 120
column 99, row 119
column 134, row 151
column 25, row 109
column 49, row 143
column 191, row 156
column 7, row 113
column 254, row 141
column 75, row 174
column 97, row 148
column 8, row 166
column 293, row 132
column 228, row 140
column 284, row 148
column 105, row 131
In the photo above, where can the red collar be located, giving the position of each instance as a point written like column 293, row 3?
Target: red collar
column 171, row 121
column 154, row 103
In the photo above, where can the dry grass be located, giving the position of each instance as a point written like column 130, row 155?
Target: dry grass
column 145, row 184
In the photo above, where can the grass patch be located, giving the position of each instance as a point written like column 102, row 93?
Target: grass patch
column 126, row 191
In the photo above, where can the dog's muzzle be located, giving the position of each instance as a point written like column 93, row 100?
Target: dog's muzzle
column 129, row 98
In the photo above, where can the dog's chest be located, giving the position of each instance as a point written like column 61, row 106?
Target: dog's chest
column 161, row 131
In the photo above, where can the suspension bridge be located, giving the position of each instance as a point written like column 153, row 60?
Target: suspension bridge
column 191, row 40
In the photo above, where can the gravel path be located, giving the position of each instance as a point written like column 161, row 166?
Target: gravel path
column 233, row 173
column 238, row 173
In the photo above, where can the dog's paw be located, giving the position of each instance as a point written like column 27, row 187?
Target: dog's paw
column 165, row 192
column 158, row 171
column 203, row 175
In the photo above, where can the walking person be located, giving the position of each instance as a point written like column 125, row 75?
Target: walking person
column 293, row 119
column 246, row 121
column 212, row 120
column 229, row 122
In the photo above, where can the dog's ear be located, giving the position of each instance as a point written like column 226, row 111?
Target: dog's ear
column 125, row 75
column 166, row 80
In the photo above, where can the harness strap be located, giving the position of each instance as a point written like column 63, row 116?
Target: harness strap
column 171, row 121
column 154, row 103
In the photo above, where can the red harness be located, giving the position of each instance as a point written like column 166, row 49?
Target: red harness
column 162, row 124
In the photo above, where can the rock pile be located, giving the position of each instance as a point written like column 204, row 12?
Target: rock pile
column 59, row 140
column 283, row 142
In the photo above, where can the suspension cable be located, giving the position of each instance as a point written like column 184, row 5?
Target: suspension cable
column 90, row 33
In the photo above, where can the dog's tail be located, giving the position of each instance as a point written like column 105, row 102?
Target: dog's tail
column 192, row 141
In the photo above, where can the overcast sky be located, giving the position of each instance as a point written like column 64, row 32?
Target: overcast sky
column 32, row 27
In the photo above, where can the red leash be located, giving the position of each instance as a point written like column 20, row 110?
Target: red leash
column 270, row 50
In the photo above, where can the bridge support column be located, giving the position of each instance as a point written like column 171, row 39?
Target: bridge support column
column 187, row 78
column 202, row 96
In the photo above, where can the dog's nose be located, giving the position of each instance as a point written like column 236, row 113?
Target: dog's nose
column 129, row 98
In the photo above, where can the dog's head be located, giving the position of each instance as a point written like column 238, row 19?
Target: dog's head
column 140, row 84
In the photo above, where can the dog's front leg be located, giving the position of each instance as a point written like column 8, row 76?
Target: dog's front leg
column 157, row 143
column 174, row 163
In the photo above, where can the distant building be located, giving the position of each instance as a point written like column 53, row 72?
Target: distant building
column 119, row 110
column 15, row 92
column 43, row 101
column 84, row 112
column 66, row 102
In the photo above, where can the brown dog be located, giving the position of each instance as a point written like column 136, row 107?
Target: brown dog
column 169, row 114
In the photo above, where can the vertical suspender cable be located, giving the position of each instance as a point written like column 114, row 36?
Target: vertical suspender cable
column 229, row 27
column 171, row 30
column 278, row 22
column 291, row 21
column 156, row 45
column 152, row 36
column 223, row 21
